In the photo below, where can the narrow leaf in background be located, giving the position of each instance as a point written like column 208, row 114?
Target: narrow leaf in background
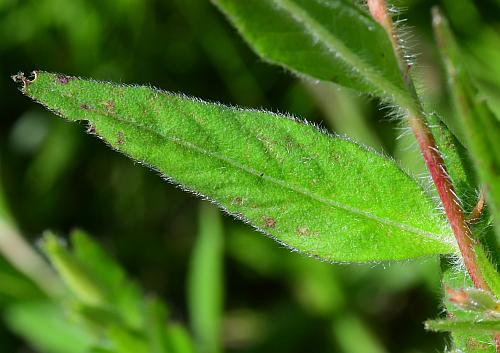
column 206, row 281
column 115, row 318
column 39, row 321
column 322, row 195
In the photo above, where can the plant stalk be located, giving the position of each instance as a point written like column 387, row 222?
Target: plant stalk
column 451, row 205
column 435, row 164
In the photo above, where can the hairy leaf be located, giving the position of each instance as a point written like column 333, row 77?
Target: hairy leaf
column 480, row 325
column 334, row 40
column 322, row 195
column 463, row 340
column 489, row 271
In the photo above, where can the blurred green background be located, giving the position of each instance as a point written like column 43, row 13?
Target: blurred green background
column 235, row 291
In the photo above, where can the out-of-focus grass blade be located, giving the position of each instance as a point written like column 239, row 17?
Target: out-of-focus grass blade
column 105, row 305
column 127, row 341
column 206, row 286
column 21, row 255
column 73, row 272
column 155, row 326
column 352, row 335
column 44, row 325
column 123, row 294
column 179, row 340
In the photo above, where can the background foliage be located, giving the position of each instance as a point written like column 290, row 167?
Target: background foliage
column 54, row 177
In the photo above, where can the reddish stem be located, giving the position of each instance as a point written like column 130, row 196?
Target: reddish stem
column 452, row 208
column 432, row 157
column 434, row 162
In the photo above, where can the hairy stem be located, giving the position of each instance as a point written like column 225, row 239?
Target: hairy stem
column 432, row 157
column 434, row 161
column 452, row 207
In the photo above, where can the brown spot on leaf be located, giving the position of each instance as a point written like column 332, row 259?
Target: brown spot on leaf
column 110, row 105
column 120, row 138
column 63, row 79
column 84, row 106
column 269, row 222
column 473, row 344
column 302, row 231
column 237, row 201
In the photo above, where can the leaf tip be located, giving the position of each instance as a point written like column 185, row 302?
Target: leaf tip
column 428, row 325
column 23, row 80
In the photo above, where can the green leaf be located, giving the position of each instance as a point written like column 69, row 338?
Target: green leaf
column 73, row 272
column 481, row 127
column 334, row 40
column 322, row 195
column 127, row 341
column 155, row 326
column 353, row 336
column 205, row 290
column 45, row 325
column 116, row 318
column 122, row 295
column 488, row 270
column 468, row 342
column 179, row 340
column 481, row 325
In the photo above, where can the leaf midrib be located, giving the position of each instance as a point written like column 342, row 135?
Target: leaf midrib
column 276, row 181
